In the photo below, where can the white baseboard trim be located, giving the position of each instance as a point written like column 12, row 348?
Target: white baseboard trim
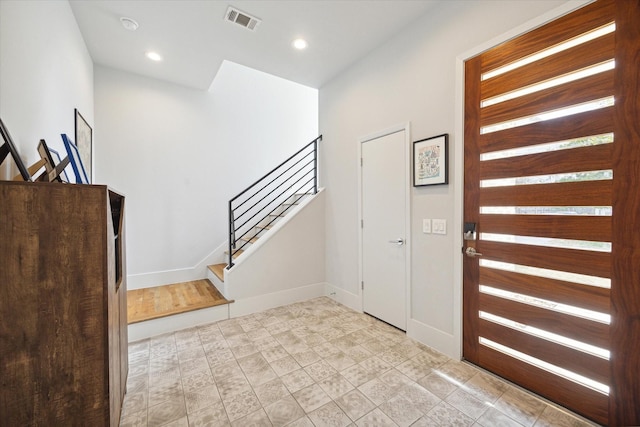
column 345, row 298
column 176, row 322
column 244, row 306
column 167, row 277
column 434, row 338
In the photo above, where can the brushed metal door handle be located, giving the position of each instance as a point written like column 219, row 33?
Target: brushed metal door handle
column 471, row 252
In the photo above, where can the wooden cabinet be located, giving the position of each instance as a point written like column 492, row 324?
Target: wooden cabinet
column 63, row 307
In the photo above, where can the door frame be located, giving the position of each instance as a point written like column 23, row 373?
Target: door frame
column 406, row 127
column 458, row 160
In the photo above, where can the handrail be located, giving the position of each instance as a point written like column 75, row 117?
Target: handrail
column 265, row 202
column 269, row 193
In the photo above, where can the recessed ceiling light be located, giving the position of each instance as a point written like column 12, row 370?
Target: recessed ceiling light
column 300, row 44
column 154, row 56
column 129, row 24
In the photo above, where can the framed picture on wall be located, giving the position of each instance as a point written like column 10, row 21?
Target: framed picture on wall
column 431, row 161
column 84, row 142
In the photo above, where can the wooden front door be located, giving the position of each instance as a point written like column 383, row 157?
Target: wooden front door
column 551, row 146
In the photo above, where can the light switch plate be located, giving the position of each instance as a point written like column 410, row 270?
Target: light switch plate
column 439, row 226
column 426, row 226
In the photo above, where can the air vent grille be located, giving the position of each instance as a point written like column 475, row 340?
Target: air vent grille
column 237, row 17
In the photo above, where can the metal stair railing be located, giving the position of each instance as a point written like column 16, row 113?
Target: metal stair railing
column 259, row 205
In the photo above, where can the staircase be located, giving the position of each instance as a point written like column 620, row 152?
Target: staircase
column 255, row 213
column 259, row 232
column 255, row 217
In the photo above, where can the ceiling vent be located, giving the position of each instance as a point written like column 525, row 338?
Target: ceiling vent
column 242, row 19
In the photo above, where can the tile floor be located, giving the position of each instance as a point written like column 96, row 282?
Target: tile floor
column 315, row 363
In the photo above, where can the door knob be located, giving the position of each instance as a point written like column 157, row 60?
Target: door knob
column 471, row 252
column 398, row 242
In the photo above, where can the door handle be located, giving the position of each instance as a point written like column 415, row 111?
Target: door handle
column 471, row 252
column 398, row 242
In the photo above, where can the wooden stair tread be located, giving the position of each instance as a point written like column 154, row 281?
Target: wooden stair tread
column 236, row 254
column 218, row 270
column 252, row 240
column 161, row 301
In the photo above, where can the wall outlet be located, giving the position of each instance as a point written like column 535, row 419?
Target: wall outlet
column 440, row 226
column 426, row 226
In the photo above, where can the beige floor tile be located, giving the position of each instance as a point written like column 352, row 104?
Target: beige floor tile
column 284, row 411
column 311, row 397
column 329, row 415
column 375, row 418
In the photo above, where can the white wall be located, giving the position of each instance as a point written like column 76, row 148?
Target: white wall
column 45, row 72
column 179, row 155
column 285, row 266
column 410, row 78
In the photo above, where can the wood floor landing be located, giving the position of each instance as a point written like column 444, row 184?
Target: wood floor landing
column 152, row 303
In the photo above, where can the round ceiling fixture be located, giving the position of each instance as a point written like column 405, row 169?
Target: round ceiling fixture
column 300, row 44
column 154, row 56
column 129, row 24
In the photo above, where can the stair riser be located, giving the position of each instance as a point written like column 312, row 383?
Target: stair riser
column 219, row 284
column 298, row 198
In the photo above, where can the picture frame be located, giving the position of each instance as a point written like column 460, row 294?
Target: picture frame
column 84, row 142
column 57, row 159
column 75, row 160
column 54, row 164
column 8, row 147
column 431, row 161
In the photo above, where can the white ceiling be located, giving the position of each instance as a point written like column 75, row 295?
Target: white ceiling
column 194, row 38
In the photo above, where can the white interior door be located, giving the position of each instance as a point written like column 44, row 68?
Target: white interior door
column 384, row 249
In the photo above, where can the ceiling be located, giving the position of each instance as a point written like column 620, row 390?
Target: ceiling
column 194, row 38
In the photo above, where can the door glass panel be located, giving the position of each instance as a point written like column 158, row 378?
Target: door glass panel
column 567, row 78
column 572, row 376
column 598, row 175
column 600, row 282
column 545, row 53
column 548, row 210
column 549, row 336
column 546, row 304
column 549, row 115
column 606, row 138
column 586, row 245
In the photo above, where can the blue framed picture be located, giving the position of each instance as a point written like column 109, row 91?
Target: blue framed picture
column 75, row 160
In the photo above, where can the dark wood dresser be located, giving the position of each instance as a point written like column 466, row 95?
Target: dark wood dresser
column 63, row 305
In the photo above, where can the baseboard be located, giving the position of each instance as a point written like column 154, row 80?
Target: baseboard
column 345, row 298
column 176, row 322
column 167, row 277
column 244, row 306
column 434, row 338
